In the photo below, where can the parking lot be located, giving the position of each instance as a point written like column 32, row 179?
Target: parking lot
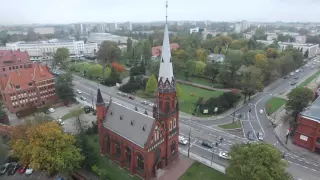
column 35, row 175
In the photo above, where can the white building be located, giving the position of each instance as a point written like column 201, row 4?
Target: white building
column 44, row 30
column 300, row 39
column 101, row 28
column 240, row 27
column 40, row 48
column 81, row 28
column 113, row 27
column 247, row 36
column 312, row 48
column 194, row 30
column 272, row 36
column 127, row 26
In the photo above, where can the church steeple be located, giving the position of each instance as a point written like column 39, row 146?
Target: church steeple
column 166, row 78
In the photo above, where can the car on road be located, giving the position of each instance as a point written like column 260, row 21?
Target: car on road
column 260, row 136
column 261, row 111
column 286, row 77
column 292, row 73
column 293, row 83
column 296, row 77
column 50, row 110
column 182, row 140
column 4, row 168
column 297, row 70
column 79, row 92
column 131, row 97
column 83, row 98
column 224, row 155
column 250, row 136
column 144, row 102
column 120, row 93
column 206, row 144
column 151, row 104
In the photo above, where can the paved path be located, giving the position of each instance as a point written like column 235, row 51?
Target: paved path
column 200, row 85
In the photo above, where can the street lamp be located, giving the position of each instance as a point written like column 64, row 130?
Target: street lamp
column 189, row 143
column 212, row 153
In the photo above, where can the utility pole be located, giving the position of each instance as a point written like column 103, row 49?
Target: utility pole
column 189, row 143
column 91, row 98
column 212, row 153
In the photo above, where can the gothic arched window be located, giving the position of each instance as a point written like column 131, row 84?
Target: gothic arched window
column 118, row 149
column 128, row 154
column 170, row 126
column 174, row 122
column 108, row 145
column 140, row 162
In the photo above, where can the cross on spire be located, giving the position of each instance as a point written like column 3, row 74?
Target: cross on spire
column 166, row 12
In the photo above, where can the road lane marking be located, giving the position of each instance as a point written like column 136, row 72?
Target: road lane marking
column 255, row 106
column 254, row 135
column 313, row 170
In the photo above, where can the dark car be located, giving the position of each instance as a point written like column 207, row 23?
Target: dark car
column 4, row 168
column 296, row 77
column 286, row 77
column 14, row 168
column 250, row 136
column 293, row 83
column 206, row 144
column 131, row 97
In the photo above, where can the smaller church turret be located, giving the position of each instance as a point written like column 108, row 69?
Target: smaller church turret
column 100, row 109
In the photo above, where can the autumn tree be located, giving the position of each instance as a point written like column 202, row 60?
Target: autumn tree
column 118, row 67
column 107, row 53
column 256, row 161
column 151, row 85
column 61, row 55
column 46, row 147
column 298, row 99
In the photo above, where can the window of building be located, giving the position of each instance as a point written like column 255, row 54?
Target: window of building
column 128, row 154
column 4, row 69
column 9, row 68
column 118, row 149
column 170, row 126
column 173, row 147
column 108, row 145
column 174, row 123
column 18, row 87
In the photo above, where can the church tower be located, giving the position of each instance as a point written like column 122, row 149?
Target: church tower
column 166, row 110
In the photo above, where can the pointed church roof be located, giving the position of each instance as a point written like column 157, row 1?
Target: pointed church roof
column 99, row 97
column 166, row 69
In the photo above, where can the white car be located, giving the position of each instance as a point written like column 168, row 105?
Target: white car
column 224, row 155
column 29, row 171
column 79, row 92
column 151, row 104
column 144, row 102
column 182, row 140
column 83, row 98
column 51, row 110
column 261, row 111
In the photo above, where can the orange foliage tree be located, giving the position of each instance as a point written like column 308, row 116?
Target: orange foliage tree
column 118, row 67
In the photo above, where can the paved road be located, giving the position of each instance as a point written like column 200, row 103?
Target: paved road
column 305, row 169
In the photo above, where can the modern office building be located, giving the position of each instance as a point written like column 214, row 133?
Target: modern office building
column 127, row 26
column 40, row 48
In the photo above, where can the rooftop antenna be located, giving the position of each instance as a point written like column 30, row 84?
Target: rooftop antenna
column 166, row 12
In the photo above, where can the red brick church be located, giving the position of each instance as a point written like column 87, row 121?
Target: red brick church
column 138, row 141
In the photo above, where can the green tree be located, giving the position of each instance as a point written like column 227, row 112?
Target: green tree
column 200, row 68
column 298, row 99
column 306, row 54
column 209, row 36
column 46, row 147
column 178, row 90
column 250, row 80
column 107, row 53
column 3, row 150
column 129, row 45
column 61, row 55
column 256, row 161
column 64, row 87
column 151, row 85
column 212, row 69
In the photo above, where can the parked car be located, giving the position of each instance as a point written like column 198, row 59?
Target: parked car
column 131, row 97
column 151, row 104
column 83, row 98
column 22, row 169
column 286, row 77
column 14, row 167
column 79, row 92
column 206, row 144
column 4, row 168
column 29, row 171
column 224, row 155
column 87, row 109
column 296, row 77
column 250, row 136
column 50, row 110
column 182, row 140
column 260, row 136
column 293, row 83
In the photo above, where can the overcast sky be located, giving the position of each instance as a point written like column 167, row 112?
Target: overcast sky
column 71, row 11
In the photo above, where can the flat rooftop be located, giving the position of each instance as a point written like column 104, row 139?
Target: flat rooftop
column 313, row 111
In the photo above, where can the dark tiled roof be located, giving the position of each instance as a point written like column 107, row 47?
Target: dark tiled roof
column 128, row 123
column 313, row 111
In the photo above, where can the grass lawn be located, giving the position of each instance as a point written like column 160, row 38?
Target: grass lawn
column 232, row 125
column 200, row 171
column 113, row 168
column 71, row 114
column 197, row 80
column 190, row 95
column 310, row 79
column 274, row 104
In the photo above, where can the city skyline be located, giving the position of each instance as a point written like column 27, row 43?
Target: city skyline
column 72, row 11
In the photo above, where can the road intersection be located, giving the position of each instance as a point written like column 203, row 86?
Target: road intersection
column 201, row 129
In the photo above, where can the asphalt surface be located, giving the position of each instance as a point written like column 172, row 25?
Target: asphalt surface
column 300, row 168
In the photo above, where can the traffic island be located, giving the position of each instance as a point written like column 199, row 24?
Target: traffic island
column 232, row 125
column 201, row 171
column 274, row 104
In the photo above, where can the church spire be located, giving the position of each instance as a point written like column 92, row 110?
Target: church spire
column 166, row 69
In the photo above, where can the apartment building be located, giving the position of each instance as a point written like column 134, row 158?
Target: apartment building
column 26, row 88
column 44, row 30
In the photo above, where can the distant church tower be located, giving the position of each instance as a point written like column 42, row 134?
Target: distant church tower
column 166, row 110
